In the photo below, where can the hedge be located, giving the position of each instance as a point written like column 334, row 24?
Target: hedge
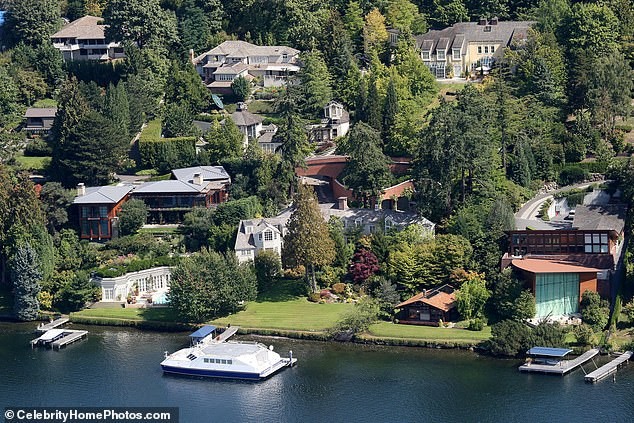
column 113, row 271
column 167, row 153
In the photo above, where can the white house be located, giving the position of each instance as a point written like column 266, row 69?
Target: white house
column 84, row 39
column 154, row 281
column 271, row 65
column 256, row 235
column 335, row 123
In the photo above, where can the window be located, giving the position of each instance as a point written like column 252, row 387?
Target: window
column 492, row 49
column 103, row 211
column 487, row 28
column 440, row 55
column 596, row 243
column 456, row 54
column 358, row 222
column 425, row 55
column 260, row 236
column 479, row 49
column 388, row 223
column 486, row 49
column 371, row 228
column 268, row 236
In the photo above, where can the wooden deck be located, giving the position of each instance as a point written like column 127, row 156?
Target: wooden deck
column 563, row 367
column 608, row 368
column 52, row 325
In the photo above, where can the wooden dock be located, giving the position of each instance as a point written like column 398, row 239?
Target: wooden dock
column 608, row 368
column 562, row 367
column 52, row 325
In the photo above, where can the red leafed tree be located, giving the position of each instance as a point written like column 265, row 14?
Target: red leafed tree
column 364, row 264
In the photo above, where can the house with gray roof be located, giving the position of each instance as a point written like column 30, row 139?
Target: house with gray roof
column 469, row 47
column 270, row 66
column 335, row 123
column 255, row 235
column 200, row 186
column 39, row 120
column 98, row 208
column 85, row 39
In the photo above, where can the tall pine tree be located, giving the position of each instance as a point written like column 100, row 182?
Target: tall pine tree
column 26, row 275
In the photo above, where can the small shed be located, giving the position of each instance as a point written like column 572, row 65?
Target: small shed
column 202, row 333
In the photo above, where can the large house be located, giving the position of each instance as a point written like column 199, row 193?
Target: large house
column 39, row 120
column 97, row 208
column 199, row 186
column 469, row 47
column 256, row 235
column 269, row 65
column 559, row 265
column 85, row 39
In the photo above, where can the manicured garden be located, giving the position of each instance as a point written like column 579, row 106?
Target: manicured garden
column 428, row 333
column 37, row 164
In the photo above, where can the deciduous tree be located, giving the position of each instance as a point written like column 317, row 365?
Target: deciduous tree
column 132, row 217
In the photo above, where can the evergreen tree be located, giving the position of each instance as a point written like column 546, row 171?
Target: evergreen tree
column 8, row 96
column 315, row 82
column 132, row 217
column 361, row 101
column 178, row 120
column 367, row 171
column 241, row 88
column 307, row 242
column 26, row 275
column 198, row 22
column 143, row 22
column 224, row 142
column 390, row 111
column 117, row 109
column 373, row 106
column 32, row 21
column 185, row 87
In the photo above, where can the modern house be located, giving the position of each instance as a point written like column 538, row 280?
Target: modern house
column 335, row 123
column 559, row 265
column 200, row 186
column 469, row 47
column 269, row 66
column 429, row 307
column 39, row 121
column 84, row 39
column 97, row 208
column 257, row 235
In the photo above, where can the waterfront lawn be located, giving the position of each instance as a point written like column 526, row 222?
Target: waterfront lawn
column 428, row 333
column 159, row 314
column 295, row 315
column 284, row 289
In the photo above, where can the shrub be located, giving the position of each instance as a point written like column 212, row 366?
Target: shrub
column 510, row 338
column 38, row 148
column 339, row 288
column 167, row 153
column 359, row 319
column 132, row 216
column 268, row 267
column 572, row 174
column 594, row 310
column 476, row 325
column 584, row 334
column 314, row 297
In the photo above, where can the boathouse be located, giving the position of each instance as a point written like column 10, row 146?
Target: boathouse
column 429, row 307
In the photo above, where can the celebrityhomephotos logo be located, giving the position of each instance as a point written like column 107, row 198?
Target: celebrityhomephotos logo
column 91, row 414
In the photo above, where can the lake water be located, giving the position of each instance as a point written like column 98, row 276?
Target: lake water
column 331, row 383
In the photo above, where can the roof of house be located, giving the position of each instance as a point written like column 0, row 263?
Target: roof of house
column 245, row 118
column 40, row 112
column 87, row 27
column 236, row 48
column 600, row 217
column 208, row 173
column 438, row 298
column 231, row 70
column 455, row 35
column 551, row 266
column 103, row 195
column 244, row 240
column 169, row 187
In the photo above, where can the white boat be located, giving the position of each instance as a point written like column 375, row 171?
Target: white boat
column 48, row 337
column 226, row 359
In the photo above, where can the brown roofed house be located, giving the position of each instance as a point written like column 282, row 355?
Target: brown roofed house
column 429, row 307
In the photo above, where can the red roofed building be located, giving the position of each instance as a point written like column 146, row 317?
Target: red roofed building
column 429, row 307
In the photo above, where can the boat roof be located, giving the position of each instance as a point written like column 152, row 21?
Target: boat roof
column 203, row 331
column 51, row 334
column 549, row 352
column 232, row 349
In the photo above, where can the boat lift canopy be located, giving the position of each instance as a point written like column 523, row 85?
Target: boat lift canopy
column 202, row 333
column 548, row 352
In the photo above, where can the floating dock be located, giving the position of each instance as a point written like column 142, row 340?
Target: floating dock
column 608, row 368
column 70, row 336
column 52, row 325
column 562, row 367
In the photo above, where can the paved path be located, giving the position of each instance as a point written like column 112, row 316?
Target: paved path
column 531, row 207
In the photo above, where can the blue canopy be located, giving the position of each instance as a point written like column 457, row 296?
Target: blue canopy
column 203, row 332
column 549, row 352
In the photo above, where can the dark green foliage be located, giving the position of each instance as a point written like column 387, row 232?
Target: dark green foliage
column 232, row 212
column 92, row 71
column 139, row 21
column 142, row 244
column 594, row 310
column 510, row 338
column 117, row 108
column 56, row 201
column 358, row 320
column 196, row 227
column 510, row 300
column 198, row 22
column 343, row 250
column 268, row 267
column 209, row 285
column 315, row 83
column 112, row 271
column 241, row 88
column 165, row 154
column 132, row 216
column 75, row 295
column 26, row 275
column 373, row 107
column 38, row 148
column 387, row 295
column 224, row 142
column 390, row 110
column 584, row 334
column 184, row 87
column 572, row 174
column 32, row 21
column 549, row 335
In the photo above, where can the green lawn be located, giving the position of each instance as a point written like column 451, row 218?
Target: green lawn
column 34, row 163
column 45, row 102
column 153, row 314
column 428, row 333
column 298, row 314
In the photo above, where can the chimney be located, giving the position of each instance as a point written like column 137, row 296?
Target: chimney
column 198, row 179
column 81, row 189
column 191, row 56
column 342, row 203
column 493, row 21
column 482, row 21
column 242, row 106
